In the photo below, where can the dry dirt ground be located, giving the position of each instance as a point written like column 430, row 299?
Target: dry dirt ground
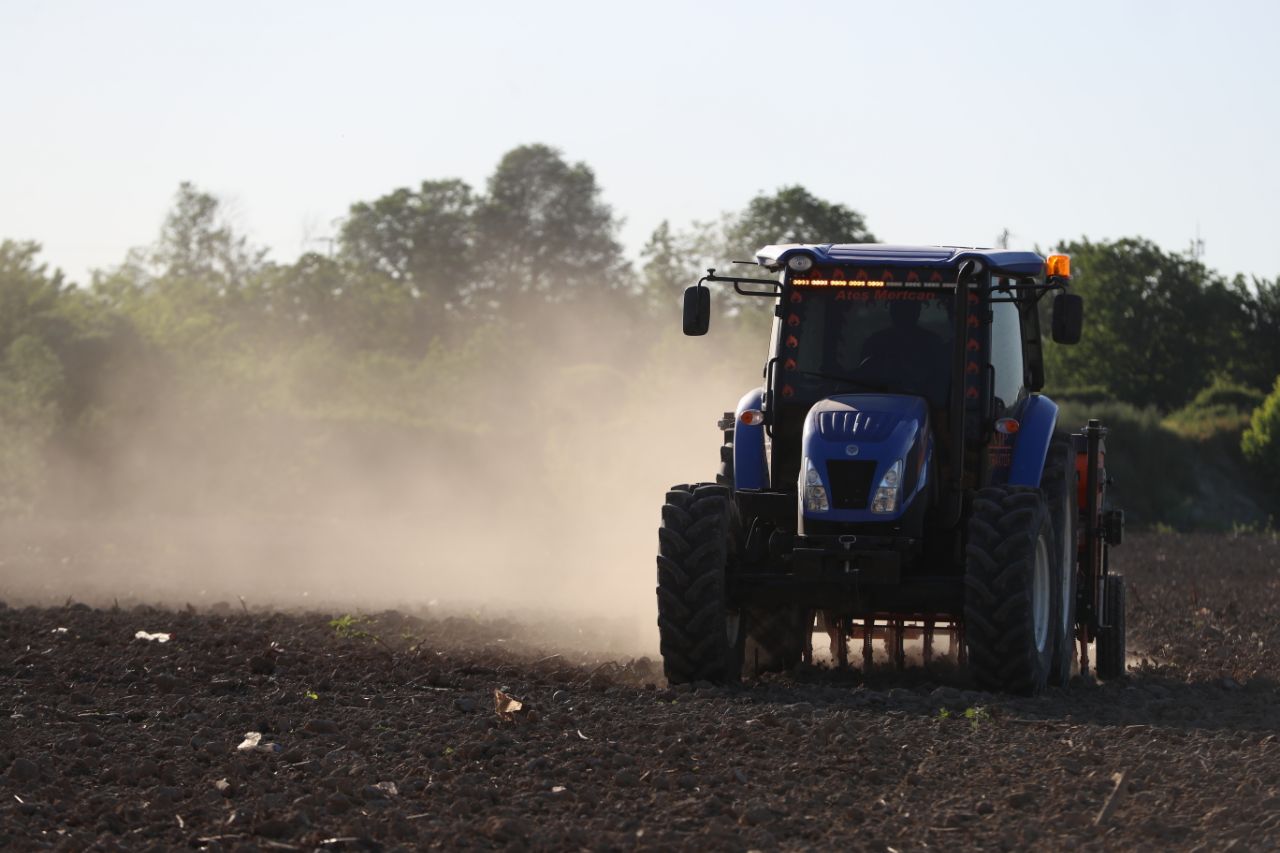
column 381, row 733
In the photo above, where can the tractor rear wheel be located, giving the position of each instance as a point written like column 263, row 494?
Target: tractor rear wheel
column 1059, row 486
column 775, row 638
column 1111, row 649
column 1011, row 589
column 701, row 638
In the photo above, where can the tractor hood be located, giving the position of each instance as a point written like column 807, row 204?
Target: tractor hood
column 852, row 443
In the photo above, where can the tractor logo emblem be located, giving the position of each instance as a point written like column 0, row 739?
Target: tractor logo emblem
column 851, row 450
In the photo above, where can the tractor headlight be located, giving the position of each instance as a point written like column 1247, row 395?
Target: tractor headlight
column 886, row 497
column 815, row 494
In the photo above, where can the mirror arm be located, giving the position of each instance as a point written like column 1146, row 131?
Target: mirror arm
column 738, row 281
column 734, row 279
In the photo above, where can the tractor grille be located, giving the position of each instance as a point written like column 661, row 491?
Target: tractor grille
column 850, row 424
column 850, row 482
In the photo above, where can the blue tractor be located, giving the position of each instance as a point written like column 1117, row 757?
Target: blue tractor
column 897, row 475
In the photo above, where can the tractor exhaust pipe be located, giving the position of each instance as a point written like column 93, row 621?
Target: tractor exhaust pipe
column 968, row 274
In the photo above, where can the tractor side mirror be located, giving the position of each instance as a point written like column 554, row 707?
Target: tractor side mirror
column 1068, row 318
column 697, row 310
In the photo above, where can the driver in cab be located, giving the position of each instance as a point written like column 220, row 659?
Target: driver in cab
column 903, row 346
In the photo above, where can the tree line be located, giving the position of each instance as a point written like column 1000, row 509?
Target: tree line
column 449, row 277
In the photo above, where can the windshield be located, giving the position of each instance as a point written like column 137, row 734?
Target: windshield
column 859, row 338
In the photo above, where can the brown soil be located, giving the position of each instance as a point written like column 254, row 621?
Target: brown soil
column 387, row 736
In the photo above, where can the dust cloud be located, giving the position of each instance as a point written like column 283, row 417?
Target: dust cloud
column 531, row 488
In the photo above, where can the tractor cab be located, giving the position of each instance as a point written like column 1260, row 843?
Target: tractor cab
column 900, row 392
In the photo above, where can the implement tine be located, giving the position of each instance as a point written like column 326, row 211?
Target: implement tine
column 806, row 653
column 842, row 642
column 899, row 636
column 928, row 641
column 868, row 637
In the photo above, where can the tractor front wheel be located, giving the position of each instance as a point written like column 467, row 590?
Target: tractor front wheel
column 700, row 637
column 1012, row 590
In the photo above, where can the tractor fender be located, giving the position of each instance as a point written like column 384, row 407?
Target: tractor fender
column 750, row 468
column 1037, row 421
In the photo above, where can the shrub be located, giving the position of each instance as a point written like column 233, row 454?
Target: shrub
column 1229, row 394
column 1152, row 466
column 1261, row 441
column 1222, row 409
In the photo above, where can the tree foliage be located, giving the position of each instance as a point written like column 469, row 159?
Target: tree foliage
column 41, row 320
column 33, row 301
column 422, row 240
column 539, row 234
column 674, row 259
column 668, row 266
column 1261, row 441
column 1158, row 326
column 440, row 290
column 198, row 247
column 193, row 283
column 546, row 233
column 792, row 214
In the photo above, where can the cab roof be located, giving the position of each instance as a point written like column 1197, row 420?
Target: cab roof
column 1021, row 264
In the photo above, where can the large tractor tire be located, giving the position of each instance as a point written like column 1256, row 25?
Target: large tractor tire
column 1111, row 648
column 1059, row 484
column 701, row 639
column 775, row 638
column 1011, row 590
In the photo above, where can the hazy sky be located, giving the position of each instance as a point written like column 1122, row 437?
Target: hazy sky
column 941, row 122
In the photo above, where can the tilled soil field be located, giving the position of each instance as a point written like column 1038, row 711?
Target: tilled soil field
column 385, row 732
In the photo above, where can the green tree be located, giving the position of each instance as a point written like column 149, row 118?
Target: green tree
column 199, row 247
column 1157, row 325
column 42, row 318
column 792, row 214
column 669, row 265
column 31, row 297
column 547, row 235
column 356, row 309
column 188, row 287
column 1261, row 441
column 422, row 240
column 1255, row 339
column 41, row 307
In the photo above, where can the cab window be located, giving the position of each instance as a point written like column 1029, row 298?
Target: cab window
column 1006, row 353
